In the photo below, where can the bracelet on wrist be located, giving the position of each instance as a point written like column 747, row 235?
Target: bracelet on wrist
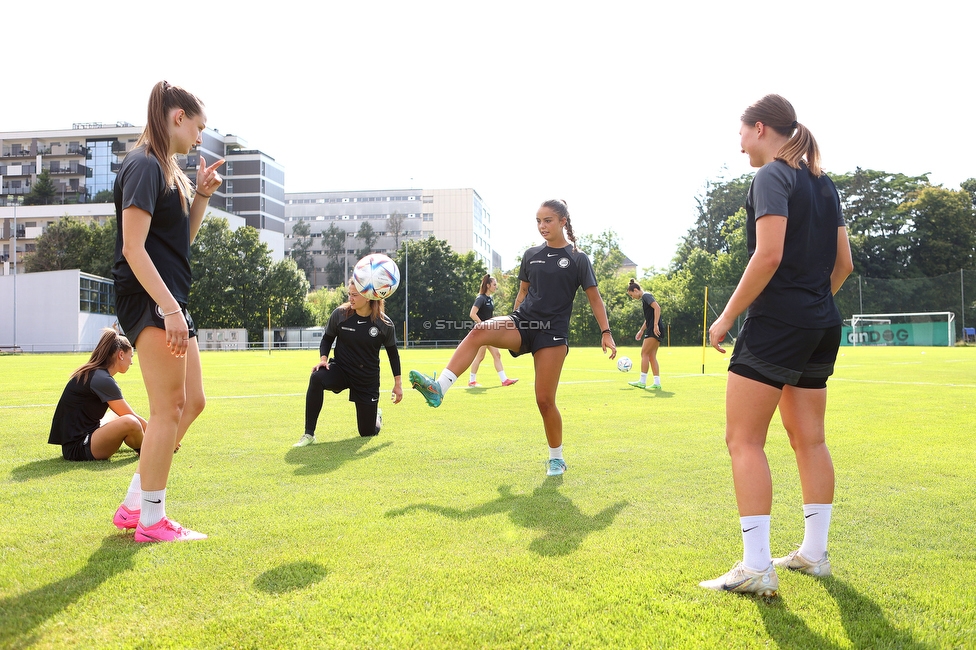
column 606, row 331
column 170, row 313
column 204, row 195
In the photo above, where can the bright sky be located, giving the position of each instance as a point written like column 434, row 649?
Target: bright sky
column 624, row 109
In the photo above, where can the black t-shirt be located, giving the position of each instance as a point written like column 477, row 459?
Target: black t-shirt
column 358, row 348
column 140, row 183
column 82, row 405
column 646, row 301
column 485, row 306
column 799, row 292
column 554, row 275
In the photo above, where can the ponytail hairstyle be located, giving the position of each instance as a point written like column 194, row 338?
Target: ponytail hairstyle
column 104, row 353
column 164, row 98
column 778, row 114
column 561, row 208
column 377, row 307
column 633, row 286
column 485, row 283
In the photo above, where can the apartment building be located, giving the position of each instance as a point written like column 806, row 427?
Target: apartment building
column 458, row 216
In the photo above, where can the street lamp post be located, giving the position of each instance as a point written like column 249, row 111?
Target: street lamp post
column 406, row 301
column 13, row 251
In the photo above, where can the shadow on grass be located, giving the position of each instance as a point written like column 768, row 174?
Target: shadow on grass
column 58, row 465
column 325, row 457
column 290, row 577
column 21, row 615
column 863, row 620
column 563, row 525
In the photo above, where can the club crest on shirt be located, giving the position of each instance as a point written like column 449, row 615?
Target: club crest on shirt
column 374, row 331
column 563, row 262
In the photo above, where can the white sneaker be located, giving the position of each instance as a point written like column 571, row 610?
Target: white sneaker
column 379, row 420
column 304, row 441
column 743, row 580
column 796, row 562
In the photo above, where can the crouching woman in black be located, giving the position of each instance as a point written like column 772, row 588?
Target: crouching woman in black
column 90, row 392
column 359, row 329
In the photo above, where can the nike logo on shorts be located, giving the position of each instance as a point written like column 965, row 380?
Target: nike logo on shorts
column 558, row 338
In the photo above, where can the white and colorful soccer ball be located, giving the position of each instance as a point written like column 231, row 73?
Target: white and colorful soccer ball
column 624, row 364
column 376, row 276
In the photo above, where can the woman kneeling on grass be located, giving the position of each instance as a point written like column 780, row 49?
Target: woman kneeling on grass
column 90, row 392
column 360, row 328
column 799, row 256
column 549, row 277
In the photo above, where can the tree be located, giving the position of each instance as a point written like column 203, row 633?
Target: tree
column 102, row 252
column 396, row 227
column 286, row 288
column 943, row 237
column 301, row 250
column 368, row 236
column 104, row 196
column 65, row 245
column 719, row 203
column 606, row 256
column 325, row 301
column 43, row 190
column 441, row 285
column 879, row 231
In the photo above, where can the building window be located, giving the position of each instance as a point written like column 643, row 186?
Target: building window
column 97, row 296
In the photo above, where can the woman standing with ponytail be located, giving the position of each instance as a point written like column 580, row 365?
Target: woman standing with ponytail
column 799, row 256
column 159, row 213
column 549, row 277
column 482, row 310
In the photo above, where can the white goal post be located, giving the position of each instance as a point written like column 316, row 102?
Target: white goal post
column 906, row 328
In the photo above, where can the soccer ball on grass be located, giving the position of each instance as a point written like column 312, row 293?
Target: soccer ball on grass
column 376, row 276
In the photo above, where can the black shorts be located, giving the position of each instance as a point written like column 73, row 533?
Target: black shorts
column 774, row 353
column 137, row 311
column 535, row 337
column 78, row 450
column 649, row 334
column 335, row 379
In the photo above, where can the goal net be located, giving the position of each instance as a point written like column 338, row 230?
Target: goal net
column 931, row 328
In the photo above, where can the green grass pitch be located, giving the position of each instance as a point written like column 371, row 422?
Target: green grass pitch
column 444, row 532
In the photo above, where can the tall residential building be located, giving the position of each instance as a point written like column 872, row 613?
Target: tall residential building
column 84, row 160
column 458, row 216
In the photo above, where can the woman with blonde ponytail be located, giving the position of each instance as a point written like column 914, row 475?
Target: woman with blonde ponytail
column 799, row 256
column 159, row 212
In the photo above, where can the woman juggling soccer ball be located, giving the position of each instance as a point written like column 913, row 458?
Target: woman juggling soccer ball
column 359, row 328
column 549, row 277
column 799, row 256
column 651, row 332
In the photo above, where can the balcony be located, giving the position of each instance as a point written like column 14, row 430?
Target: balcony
column 19, row 153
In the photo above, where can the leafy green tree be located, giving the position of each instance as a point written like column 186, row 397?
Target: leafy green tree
column 606, row 256
column 720, row 202
column 102, row 252
column 943, row 235
column 301, row 250
column 396, row 227
column 440, row 286
column 325, row 301
column 43, row 191
column 66, row 244
column 368, row 236
column 104, row 196
column 879, row 230
column 287, row 288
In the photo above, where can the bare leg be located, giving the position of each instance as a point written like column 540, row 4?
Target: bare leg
column 165, row 379
column 548, row 367
column 478, row 359
column 107, row 439
column 497, row 357
column 196, row 399
column 802, row 411
column 749, row 407
column 499, row 332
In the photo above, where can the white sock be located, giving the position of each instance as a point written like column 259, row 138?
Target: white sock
column 755, row 542
column 816, row 525
column 502, row 375
column 556, row 452
column 153, row 507
column 657, row 380
column 133, row 498
column 446, row 380
column 643, row 378
column 473, row 376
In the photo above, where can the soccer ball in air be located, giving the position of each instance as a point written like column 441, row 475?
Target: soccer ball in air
column 624, row 364
column 376, row 276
